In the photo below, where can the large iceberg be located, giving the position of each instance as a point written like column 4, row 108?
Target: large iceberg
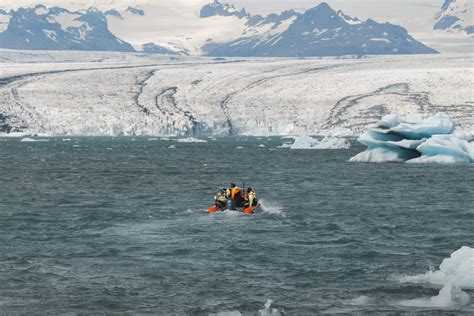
column 416, row 138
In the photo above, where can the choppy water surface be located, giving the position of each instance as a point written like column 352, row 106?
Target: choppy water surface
column 120, row 225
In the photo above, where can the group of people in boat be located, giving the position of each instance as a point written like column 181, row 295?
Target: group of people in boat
column 235, row 197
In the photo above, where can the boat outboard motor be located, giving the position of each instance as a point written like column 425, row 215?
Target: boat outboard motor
column 230, row 204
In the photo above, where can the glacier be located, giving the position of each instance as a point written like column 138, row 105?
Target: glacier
column 416, row 138
column 135, row 94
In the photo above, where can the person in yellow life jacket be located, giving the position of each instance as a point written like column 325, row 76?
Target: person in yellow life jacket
column 251, row 198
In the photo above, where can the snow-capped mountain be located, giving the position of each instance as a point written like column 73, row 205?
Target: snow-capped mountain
column 456, row 15
column 223, row 30
column 57, row 28
column 320, row 31
column 221, row 9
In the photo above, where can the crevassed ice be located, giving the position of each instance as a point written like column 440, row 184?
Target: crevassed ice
column 416, row 138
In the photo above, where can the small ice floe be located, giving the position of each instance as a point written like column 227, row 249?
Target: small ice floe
column 240, row 147
column 285, row 145
column 457, row 269
column 307, row 142
column 152, row 139
column 33, row 140
column 450, row 295
column 261, row 146
column 66, row 139
column 165, row 139
column 172, row 147
column 76, row 146
column 416, row 138
column 191, row 140
column 455, row 274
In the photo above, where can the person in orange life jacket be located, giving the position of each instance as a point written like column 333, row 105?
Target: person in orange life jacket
column 236, row 195
column 250, row 198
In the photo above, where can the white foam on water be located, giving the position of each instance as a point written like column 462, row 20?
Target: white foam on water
column 66, row 140
column 33, row 140
column 457, row 269
column 172, row 147
column 152, row 139
column 450, row 295
column 360, row 301
column 271, row 208
column 268, row 310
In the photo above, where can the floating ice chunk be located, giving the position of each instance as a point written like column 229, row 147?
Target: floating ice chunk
column 446, row 149
column 383, row 154
column 191, row 140
column 33, row 140
column 285, row 145
column 307, row 142
column 450, row 295
column 417, row 126
column 416, row 138
column 261, row 146
column 172, row 147
column 457, row 269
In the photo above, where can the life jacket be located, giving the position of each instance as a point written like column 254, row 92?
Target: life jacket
column 235, row 192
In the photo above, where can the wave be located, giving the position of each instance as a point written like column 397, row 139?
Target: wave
column 272, row 208
column 266, row 311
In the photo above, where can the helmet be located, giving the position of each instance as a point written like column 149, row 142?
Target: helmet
column 233, row 185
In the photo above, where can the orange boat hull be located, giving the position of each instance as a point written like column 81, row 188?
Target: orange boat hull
column 248, row 210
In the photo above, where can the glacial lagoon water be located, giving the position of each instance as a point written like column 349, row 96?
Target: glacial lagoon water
column 119, row 225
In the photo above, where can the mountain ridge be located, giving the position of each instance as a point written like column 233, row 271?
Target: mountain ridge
column 319, row 31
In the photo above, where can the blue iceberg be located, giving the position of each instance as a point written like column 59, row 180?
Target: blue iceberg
column 416, row 138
